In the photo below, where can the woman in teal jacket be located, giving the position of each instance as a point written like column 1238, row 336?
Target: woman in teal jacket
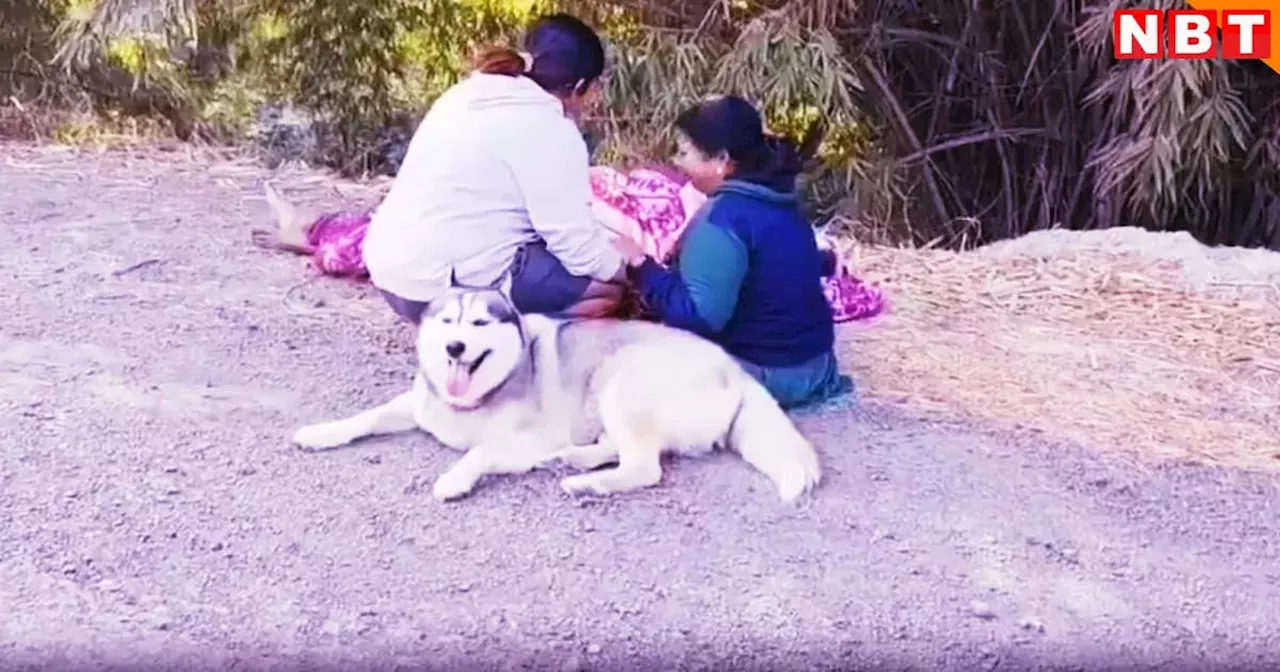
column 747, row 271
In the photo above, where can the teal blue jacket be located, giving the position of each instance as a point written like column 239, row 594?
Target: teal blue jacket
column 747, row 275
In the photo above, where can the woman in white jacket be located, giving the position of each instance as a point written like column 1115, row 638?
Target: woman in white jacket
column 495, row 181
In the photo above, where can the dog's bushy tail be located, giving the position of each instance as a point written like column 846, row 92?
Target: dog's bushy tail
column 765, row 437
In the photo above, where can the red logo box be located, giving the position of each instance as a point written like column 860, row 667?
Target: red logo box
column 1192, row 33
column 1152, row 34
column 1246, row 33
column 1137, row 33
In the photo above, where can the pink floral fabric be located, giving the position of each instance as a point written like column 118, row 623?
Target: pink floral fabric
column 337, row 243
column 649, row 205
column 646, row 205
column 653, row 207
column 851, row 298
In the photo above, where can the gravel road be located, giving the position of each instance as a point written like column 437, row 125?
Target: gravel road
column 155, row 516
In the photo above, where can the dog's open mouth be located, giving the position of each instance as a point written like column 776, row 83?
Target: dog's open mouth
column 460, row 374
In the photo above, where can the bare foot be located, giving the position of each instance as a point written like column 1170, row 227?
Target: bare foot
column 270, row 240
column 291, row 225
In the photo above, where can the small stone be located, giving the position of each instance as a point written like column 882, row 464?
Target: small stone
column 217, row 547
column 161, row 618
column 981, row 610
column 594, row 649
column 1031, row 623
column 463, row 588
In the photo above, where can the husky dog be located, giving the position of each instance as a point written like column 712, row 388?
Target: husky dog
column 517, row 392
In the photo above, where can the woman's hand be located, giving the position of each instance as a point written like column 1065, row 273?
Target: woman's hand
column 630, row 250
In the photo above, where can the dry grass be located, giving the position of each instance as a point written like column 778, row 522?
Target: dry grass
column 1105, row 347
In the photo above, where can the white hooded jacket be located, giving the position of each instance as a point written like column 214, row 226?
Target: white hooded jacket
column 494, row 164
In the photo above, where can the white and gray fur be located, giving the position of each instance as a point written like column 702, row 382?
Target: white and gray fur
column 584, row 392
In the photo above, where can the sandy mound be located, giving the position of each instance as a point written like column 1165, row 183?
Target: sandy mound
column 1206, row 270
column 1141, row 340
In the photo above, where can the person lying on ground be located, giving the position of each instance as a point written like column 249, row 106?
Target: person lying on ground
column 652, row 205
column 747, row 271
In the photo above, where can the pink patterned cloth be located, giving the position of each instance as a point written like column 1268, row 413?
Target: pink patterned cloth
column 653, row 206
column 849, row 297
column 649, row 205
column 337, row 243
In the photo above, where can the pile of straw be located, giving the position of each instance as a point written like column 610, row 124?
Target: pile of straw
column 1110, row 345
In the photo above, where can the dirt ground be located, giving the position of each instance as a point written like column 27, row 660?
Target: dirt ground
column 153, row 514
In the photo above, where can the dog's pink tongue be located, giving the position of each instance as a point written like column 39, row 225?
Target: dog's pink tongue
column 459, row 380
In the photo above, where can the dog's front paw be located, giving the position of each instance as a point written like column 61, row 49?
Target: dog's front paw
column 320, row 437
column 580, row 484
column 452, row 485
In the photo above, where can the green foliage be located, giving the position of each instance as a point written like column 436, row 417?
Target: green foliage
column 359, row 67
column 795, row 73
column 231, row 105
column 335, row 55
column 983, row 122
column 366, row 66
column 1176, row 149
column 26, row 46
column 956, row 122
column 436, row 54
